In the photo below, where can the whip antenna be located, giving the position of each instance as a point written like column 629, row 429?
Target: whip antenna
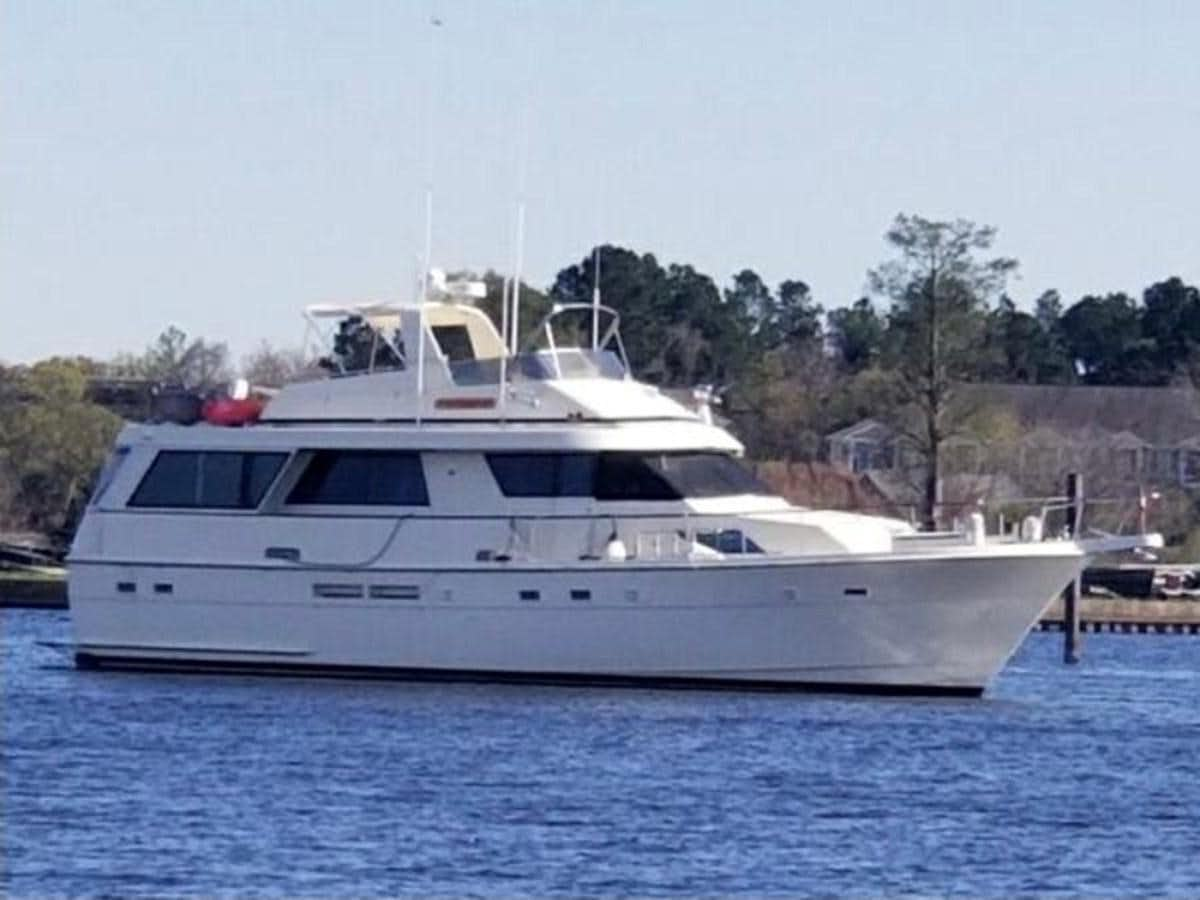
column 434, row 24
column 518, row 264
column 522, row 179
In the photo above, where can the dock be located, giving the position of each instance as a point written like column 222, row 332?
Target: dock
column 31, row 573
column 21, row 591
column 1127, row 616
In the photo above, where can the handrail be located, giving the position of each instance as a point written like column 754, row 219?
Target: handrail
column 648, row 543
column 612, row 333
column 296, row 559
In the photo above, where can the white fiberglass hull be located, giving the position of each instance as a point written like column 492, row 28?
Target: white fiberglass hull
column 942, row 623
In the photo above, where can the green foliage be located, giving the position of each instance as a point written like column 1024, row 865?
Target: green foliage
column 52, row 441
column 939, row 292
column 748, row 296
column 1047, row 309
column 778, row 407
column 1115, row 340
column 635, row 286
column 937, row 326
column 357, row 347
column 1171, row 324
column 1105, row 335
column 1019, row 348
column 795, row 317
column 856, row 334
column 678, row 329
column 534, row 304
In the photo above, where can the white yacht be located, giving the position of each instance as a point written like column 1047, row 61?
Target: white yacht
column 461, row 510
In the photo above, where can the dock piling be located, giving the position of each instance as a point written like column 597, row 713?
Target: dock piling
column 1071, row 642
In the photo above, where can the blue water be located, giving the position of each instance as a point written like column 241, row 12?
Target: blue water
column 1063, row 781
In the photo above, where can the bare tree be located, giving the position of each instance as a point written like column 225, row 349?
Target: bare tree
column 269, row 366
column 175, row 360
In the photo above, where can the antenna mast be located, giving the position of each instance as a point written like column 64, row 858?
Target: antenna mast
column 504, row 338
column 434, row 24
column 518, row 264
column 424, row 294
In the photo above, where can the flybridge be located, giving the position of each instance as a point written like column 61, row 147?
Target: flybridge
column 442, row 358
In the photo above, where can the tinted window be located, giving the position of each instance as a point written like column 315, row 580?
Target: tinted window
column 631, row 476
column 706, row 474
column 730, row 540
column 455, row 342
column 208, row 479
column 576, row 475
column 622, row 476
column 362, row 478
column 108, row 473
column 220, row 478
column 171, row 481
column 258, row 474
column 544, row 474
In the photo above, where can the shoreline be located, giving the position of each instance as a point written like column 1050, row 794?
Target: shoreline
column 21, row 591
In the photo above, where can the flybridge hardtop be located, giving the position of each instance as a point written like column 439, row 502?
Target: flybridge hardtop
column 444, row 360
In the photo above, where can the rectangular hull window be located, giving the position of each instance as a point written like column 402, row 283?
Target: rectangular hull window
column 207, row 479
column 394, row 592
column 334, row 590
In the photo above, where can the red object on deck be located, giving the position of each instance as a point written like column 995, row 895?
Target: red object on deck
column 231, row 412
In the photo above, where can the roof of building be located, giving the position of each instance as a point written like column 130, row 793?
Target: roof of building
column 1162, row 416
column 865, row 430
column 1058, row 414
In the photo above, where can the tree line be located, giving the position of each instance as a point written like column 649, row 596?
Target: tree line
column 937, row 313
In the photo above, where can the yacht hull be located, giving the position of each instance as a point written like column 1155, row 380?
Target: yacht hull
column 943, row 624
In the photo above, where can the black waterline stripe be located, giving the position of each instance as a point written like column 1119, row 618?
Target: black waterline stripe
column 86, row 660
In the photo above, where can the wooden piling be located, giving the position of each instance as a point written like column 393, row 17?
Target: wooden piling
column 1071, row 648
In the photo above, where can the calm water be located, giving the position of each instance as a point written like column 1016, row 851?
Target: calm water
column 1063, row 781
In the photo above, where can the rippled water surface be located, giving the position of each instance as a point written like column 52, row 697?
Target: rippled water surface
column 1081, row 780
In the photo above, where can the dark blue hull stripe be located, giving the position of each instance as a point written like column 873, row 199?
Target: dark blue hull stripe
column 85, row 660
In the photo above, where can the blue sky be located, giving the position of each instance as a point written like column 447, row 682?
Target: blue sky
column 217, row 165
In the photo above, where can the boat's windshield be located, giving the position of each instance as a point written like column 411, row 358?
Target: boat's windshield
column 540, row 365
column 669, row 476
